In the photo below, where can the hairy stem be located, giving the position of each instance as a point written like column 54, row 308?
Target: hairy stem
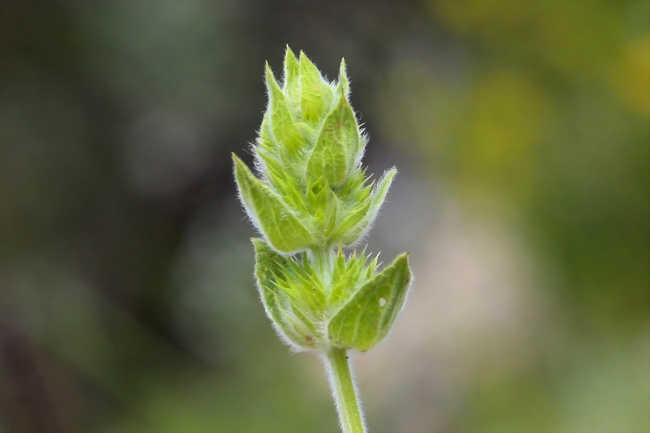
column 322, row 260
column 344, row 391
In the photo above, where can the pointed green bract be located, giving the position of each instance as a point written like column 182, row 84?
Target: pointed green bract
column 281, row 121
column 344, row 83
column 267, row 264
column 293, row 327
column 351, row 228
column 367, row 318
column 281, row 228
column 316, row 93
column 336, row 146
column 291, row 73
column 359, row 222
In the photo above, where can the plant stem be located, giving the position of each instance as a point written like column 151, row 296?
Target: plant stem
column 344, row 391
column 322, row 260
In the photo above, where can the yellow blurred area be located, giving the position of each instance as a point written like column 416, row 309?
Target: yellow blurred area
column 541, row 133
column 631, row 77
column 507, row 121
column 572, row 38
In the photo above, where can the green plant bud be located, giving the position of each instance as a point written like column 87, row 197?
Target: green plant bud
column 269, row 213
column 295, row 329
column 367, row 318
column 308, row 153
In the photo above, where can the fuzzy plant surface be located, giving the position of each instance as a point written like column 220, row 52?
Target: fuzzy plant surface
column 310, row 198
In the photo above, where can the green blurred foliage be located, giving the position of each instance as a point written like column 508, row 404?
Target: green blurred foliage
column 540, row 127
column 126, row 286
column 550, row 128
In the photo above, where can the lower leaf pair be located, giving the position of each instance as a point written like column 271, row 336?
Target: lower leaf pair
column 344, row 303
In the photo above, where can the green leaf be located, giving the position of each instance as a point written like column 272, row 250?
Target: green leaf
column 291, row 326
column 278, row 224
column 349, row 275
column 291, row 84
column 350, row 229
column 344, row 83
column 352, row 235
column 367, row 318
column 281, row 122
column 379, row 194
column 316, row 93
column 337, row 145
column 331, row 215
column 267, row 263
column 272, row 169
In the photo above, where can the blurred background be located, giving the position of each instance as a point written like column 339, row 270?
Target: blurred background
column 521, row 130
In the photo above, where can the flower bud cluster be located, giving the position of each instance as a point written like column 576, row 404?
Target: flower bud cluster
column 311, row 196
column 312, row 191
